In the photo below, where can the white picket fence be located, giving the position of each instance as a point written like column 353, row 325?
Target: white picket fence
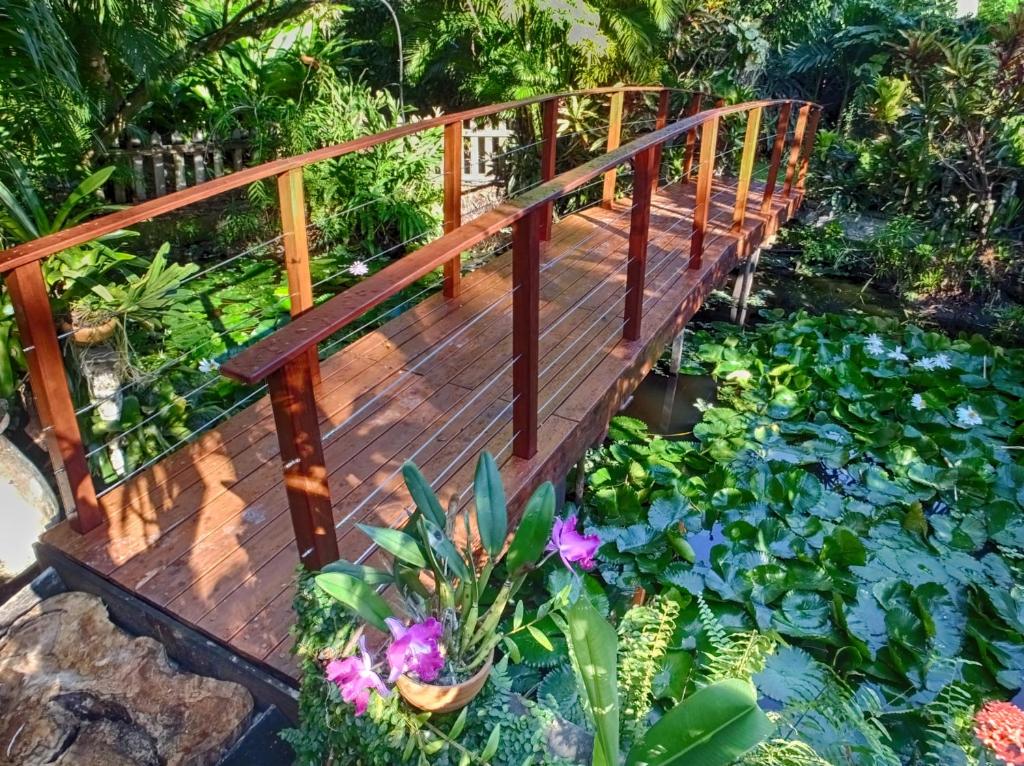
column 485, row 141
column 163, row 166
column 160, row 166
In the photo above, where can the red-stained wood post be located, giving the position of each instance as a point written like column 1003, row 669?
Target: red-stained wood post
column 773, row 166
column 525, row 332
column 645, row 176
column 614, row 139
column 794, row 149
column 808, row 150
column 31, row 302
column 296, row 251
column 702, row 200
column 660, row 121
column 453, row 202
column 302, row 457
column 549, row 153
column 691, row 136
column 746, row 167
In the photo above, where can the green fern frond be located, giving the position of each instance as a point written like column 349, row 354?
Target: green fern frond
column 644, row 636
column 949, row 737
column 783, row 752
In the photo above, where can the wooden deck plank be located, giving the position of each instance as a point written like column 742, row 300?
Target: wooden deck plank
column 205, row 533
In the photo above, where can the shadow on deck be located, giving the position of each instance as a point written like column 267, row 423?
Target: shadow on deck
column 205, row 535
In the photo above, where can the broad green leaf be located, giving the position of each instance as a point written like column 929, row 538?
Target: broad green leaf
column 491, row 512
column 540, row 638
column 492, row 744
column 459, row 725
column 369, row 575
column 357, row 596
column 423, row 495
column 397, row 543
column 712, row 727
column 83, row 190
column 595, row 648
column 534, row 530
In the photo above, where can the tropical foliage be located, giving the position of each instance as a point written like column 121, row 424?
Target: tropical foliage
column 854, row 493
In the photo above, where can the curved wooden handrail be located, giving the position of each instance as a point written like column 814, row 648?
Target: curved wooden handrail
column 265, row 357
column 292, row 379
column 37, row 249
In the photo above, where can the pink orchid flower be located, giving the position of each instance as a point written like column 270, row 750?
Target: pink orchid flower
column 571, row 545
column 355, row 677
column 415, row 649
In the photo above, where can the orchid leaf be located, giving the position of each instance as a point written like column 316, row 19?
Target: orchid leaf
column 534, row 530
column 491, row 511
column 359, row 597
column 397, row 543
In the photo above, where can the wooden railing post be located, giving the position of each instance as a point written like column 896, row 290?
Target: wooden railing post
column 31, row 302
column 660, row 121
column 549, row 153
column 691, row 136
column 644, row 178
column 750, row 141
column 794, row 149
column 302, row 457
column 773, row 167
column 808, row 150
column 453, row 202
column 702, row 197
column 296, row 251
column 525, row 332
column 614, row 139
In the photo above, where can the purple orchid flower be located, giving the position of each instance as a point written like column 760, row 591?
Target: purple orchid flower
column 571, row 545
column 355, row 677
column 415, row 649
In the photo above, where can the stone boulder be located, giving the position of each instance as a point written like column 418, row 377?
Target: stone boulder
column 75, row 690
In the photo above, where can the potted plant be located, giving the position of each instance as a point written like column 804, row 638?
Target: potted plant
column 441, row 651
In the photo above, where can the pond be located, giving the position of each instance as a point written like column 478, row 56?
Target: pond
column 671, row 405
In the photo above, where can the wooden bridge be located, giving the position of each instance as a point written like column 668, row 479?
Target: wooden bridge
column 527, row 356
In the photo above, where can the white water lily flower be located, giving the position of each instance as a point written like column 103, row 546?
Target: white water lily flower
column 359, row 269
column 966, row 415
column 937, row 362
column 917, row 402
column 898, row 355
column 873, row 345
column 208, row 365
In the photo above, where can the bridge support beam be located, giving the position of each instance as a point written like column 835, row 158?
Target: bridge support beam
column 702, row 200
column 677, row 350
column 614, row 139
column 525, row 332
column 549, row 155
column 302, row 457
column 782, row 128
column 741, row 290
column 644, row 179
column 453, row 202
column 292, row 198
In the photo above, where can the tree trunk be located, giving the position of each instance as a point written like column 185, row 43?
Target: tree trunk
column 252, row 21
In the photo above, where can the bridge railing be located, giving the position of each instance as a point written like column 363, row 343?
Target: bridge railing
column 283, row 358
column 288, row 360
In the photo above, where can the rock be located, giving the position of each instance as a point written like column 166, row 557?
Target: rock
column 29, row 505
column 78, row 691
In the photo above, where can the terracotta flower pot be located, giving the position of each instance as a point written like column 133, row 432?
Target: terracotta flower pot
column 94, row 335
column 434, row 698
